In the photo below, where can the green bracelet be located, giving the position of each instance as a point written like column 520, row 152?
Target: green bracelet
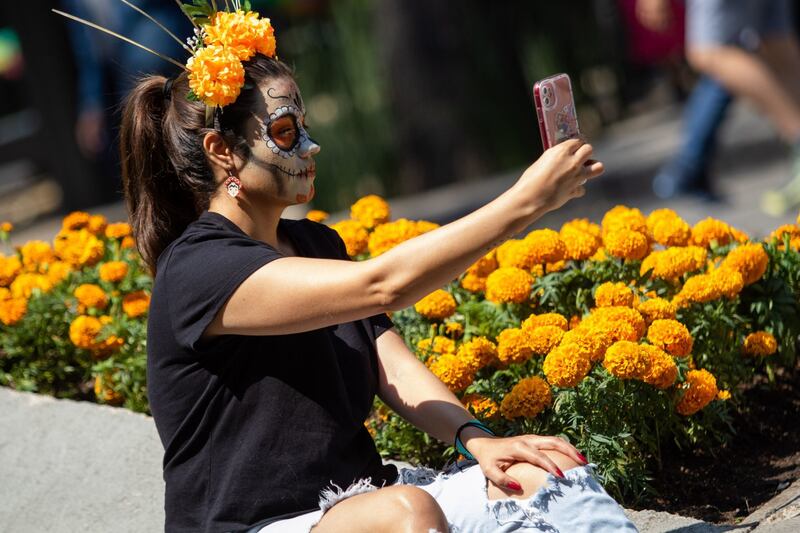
column 460, row 445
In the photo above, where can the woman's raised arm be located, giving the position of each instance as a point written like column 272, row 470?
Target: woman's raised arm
column 295, row 294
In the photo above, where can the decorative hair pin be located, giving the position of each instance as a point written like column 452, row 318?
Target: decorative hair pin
column 222, row 40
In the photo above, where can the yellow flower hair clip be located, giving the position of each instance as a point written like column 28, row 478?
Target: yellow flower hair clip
column 223, row 39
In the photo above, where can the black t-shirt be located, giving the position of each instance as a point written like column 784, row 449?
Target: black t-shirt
column 253, row 427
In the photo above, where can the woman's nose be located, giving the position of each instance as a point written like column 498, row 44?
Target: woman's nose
column 308, row 148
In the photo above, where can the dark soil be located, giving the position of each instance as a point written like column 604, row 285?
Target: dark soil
column 759, row 461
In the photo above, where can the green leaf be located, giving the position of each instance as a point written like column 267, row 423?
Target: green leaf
column 246, row 5
column 192, row 97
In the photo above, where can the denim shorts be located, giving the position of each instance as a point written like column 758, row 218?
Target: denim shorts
column 577, row 503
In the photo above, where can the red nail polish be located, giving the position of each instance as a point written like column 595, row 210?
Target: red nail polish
column 582, row 457
column 513, row 485
column 560, row 473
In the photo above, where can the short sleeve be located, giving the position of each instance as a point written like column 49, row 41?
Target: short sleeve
column 380, row 322
column 200, row 275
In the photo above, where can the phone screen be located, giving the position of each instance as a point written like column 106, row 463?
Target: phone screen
column 555, row 107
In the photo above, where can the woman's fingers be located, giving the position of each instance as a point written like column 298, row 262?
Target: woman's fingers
column 558, row 444
column 501, row 479
column 584, row 152
column 593, row 168
column 532, row 455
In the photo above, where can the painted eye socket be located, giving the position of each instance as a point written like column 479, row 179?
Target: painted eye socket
column 283, row 132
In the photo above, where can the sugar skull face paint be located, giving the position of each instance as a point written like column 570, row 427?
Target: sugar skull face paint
column 289, row 146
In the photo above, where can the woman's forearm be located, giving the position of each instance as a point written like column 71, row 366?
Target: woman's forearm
column 418, row 396
column 421, row 265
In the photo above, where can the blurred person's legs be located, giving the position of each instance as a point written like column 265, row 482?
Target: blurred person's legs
column 724, row 40
column 688, row 171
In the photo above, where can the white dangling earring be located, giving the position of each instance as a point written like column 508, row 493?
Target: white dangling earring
column 232, row 184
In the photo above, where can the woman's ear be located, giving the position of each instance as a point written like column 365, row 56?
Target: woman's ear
column 218, row 152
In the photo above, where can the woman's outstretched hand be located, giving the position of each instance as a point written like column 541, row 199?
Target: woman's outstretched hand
column 559, row 175
column 496, row 454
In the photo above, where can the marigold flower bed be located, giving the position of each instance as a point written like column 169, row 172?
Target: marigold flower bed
column 620, row 337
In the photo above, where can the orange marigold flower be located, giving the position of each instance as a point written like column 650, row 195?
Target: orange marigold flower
column 613, row 294
column 83, row 331
column 793, row 231
column 36, row 253
column 371, row 210
column 389, row 235
column 587, row 342
column 584, row 225
column 624, row 218
column 667, row 228
column 136, row 303
column 241, row 32
column 545, row 319
column 97, row 224
column 626, row 360
column 673, row 263
column 437, row 305
column 484, row 266
column 481, row 406
column 106, row 347
column 543, row 339
column 518, row 254
column 698, row 289
column 723, row 395
column 57, row 271
column 455, row 329
column 656, row 308
column 75, row 220
column 216, row 75
column 661, row 368
column 711, row 230
column 90, row 296
column 11, row 309
column 698, row 390
column 113, row 271
column 104, row 391
column 626, row 244
column 477, row 353
column 579, row 244
column 547, row 246
column 354, row 235
column 513, row 346
column 127, row 242
column 436, row 346
column 760, row 344
column 10, row 267
column 6, row 227
column 453, row 372
column 118, row 230
column 750, row 260
column 79, row 248
column 565, row 366
column 24, row 284
column 508, row 284
column 599, row 255
column 529, row 397
column 727, row 281
column 672, row 336
column 317, row 215
column 626, row 315
column 473, row 283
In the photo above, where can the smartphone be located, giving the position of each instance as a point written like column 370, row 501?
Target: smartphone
column 555, row 107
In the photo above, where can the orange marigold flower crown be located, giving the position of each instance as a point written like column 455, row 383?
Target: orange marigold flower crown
column 223, row 39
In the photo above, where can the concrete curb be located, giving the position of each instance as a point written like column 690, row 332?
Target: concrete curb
column 77, row 466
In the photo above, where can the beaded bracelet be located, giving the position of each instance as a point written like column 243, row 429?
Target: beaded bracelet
column 460, row 445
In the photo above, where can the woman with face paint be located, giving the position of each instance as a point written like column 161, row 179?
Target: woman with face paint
column 267, row 345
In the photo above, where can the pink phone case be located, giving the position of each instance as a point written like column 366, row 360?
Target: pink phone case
column 555, row 107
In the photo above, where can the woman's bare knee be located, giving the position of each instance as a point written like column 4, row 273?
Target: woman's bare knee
column 531, row 477
column 397, row 508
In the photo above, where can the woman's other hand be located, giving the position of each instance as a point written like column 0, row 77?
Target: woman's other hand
column 560, row 174
column 496, row 454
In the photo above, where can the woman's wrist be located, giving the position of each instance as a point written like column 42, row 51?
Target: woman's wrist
column 528, row 207
column 473, row 438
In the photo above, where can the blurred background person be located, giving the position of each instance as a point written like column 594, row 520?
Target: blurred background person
column 106, row 69
column 742, row 48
